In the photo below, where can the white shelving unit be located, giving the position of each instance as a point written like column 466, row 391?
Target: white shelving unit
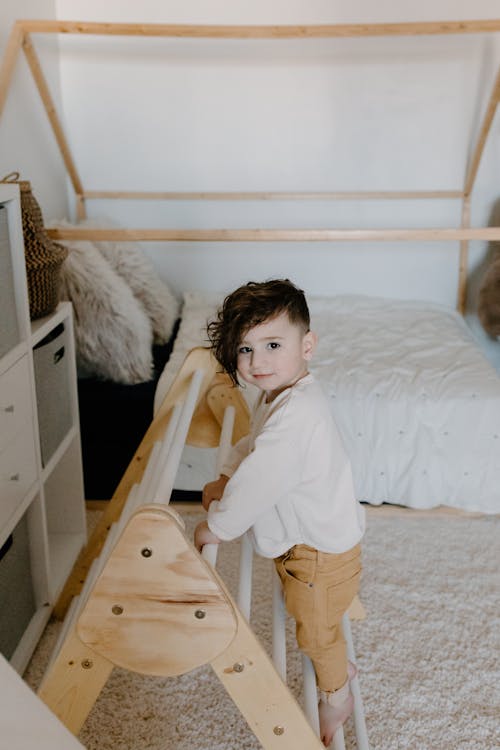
column 42, row 509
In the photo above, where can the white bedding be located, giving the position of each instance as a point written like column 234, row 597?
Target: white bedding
column 416, row 401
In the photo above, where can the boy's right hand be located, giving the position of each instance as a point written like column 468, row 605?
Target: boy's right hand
column 213, row 490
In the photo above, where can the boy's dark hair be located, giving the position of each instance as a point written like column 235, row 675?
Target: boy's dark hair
column 248, row 306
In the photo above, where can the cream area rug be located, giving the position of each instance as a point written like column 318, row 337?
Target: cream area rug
column 428, row 652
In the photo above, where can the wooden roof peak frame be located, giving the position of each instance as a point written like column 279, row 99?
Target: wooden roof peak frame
column 20, row 37
column 272, row 31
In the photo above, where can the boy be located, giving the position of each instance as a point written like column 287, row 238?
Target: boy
column 289, row 481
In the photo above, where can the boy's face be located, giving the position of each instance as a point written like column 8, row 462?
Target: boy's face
column 274, row 355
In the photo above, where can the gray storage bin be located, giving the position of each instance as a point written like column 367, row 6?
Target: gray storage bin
column 53, row 393
column 17, row 597
column 9, row 327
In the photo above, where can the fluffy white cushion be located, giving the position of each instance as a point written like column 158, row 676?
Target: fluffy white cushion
column 130, row 262
column 113, row 333
column 136, row 269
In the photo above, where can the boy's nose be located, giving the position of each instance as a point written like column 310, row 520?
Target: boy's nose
column 257, row 359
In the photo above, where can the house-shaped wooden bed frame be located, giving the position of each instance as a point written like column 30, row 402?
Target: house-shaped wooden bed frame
column 117, row 623
column 20, row 37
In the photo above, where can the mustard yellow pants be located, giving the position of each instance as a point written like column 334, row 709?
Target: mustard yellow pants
column 318, row 588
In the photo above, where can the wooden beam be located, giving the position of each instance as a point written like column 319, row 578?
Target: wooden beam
column 265, row 701
column 14, row 44
column 72, row 684
column 276, row 235
column 271, row 195
column 48, row 103
column 264, row 32
column 483, row 136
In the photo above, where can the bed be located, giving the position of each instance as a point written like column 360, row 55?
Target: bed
column 415, row 399
column 417, row 403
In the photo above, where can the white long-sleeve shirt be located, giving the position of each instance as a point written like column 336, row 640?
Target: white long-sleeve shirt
column 290, row 478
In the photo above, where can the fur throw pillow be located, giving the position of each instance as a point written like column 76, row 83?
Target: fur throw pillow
column 136, row 269
column 113, row 334
column 489, row 299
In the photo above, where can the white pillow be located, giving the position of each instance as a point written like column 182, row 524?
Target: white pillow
column 129, row 261
column 113, row 333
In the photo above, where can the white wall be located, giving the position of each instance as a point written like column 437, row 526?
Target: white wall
column 27, row 144
column 349, row 114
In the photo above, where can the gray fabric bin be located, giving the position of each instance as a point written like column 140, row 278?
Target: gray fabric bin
column 17, row 598
column 53, row 394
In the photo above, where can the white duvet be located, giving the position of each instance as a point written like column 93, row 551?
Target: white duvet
column 416, row 401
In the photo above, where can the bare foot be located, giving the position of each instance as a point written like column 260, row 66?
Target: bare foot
column 352, row 671
column 332, row 717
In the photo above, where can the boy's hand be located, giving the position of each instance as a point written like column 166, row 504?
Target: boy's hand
column 203, row 535
column 213, row 490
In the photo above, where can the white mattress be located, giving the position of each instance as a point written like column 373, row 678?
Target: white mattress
column 416, row 401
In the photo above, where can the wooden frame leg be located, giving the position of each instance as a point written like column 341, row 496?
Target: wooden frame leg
column 74, row 682
column 271, row 711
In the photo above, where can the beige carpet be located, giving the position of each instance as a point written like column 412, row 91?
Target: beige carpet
column 428, row 652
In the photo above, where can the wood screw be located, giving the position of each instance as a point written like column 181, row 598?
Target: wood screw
column 116, row 609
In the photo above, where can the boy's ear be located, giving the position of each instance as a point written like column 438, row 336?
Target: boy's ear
column 309, row 344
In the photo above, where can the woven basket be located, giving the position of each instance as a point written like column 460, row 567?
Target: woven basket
column 43, row 256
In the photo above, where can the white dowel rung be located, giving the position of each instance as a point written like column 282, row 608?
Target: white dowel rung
column 101, row 561
column 244, row 598
column 359, row 711
column 76, row 607
column 133, row 501
column 145, row 484
column 69, row 620
column 169, row 472
column 209, row 553
column 338, row 740
column 131, row 504
column 310, row 693
column 226, row 436
column 90, row 578
column 278, row 633
column 166, row 445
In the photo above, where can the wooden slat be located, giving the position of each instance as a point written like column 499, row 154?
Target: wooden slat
column 72, row 684
column 267, row 704
column 271, row 196
column 14, row 44
column 48, row 103
column 264, row 32
column 483, row 136
column 276, row 235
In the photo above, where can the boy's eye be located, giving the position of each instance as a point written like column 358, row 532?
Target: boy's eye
column 244, row 350
column 273, row 345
